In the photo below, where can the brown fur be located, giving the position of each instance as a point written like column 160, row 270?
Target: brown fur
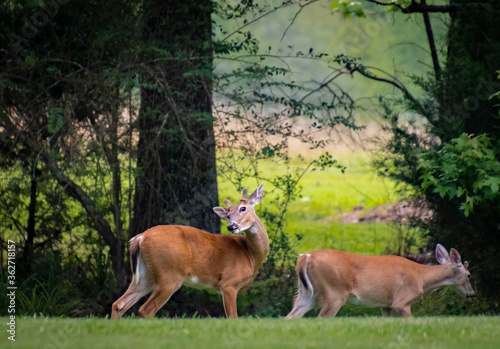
column 169, row 255
column 384, row 281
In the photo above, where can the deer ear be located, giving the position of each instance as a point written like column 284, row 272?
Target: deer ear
column 466, row 265
column 244, row 194
column 455, row 257
column 221, row 212
column 442, row 255
column 256, row 196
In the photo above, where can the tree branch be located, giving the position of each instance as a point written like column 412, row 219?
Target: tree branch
column 70, row 187
column 295, row 17
column 416, row 7
column 432, row 44
column 363, row 70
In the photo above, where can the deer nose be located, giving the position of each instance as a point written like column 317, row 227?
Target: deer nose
column 232, row 227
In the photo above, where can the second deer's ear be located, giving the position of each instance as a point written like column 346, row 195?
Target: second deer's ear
column 257, row 195
column 455, row 257
column 221, row 212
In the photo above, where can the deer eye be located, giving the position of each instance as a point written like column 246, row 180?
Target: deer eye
column 243, row 209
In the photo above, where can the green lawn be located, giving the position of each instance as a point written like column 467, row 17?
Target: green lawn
column 365, row 332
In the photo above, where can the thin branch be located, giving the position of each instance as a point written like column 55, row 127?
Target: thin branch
column 415, row 7
column 295, row 17
column 70, row 187
column 255, row 20
column 363, row 70
column 432, row 44
column 324, row 84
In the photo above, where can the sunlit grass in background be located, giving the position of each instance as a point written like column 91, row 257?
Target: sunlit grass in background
column 326, row 196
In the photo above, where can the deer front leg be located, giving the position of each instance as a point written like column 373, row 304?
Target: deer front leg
column 229, row 295
column 402, row 302
column 386, row 312
column 404, row 311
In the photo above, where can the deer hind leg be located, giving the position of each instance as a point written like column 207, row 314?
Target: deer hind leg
column 135, row 291
column 302, row 305
column 332, row 302
column 161, row 294
column 303, row 302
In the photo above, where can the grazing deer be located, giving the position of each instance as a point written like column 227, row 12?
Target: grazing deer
column 167, row 256
column 391, row 282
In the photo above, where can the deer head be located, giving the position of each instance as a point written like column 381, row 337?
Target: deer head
column 460, row 271
column 241, row 217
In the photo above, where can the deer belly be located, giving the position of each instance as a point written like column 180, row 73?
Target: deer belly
column 199, row 283
column 365, row 301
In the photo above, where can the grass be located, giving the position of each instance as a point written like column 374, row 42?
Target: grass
column 328, row 194
column 362, row 332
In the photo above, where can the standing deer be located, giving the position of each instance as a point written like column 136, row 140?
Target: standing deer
column 165, row 257
column 391, row 282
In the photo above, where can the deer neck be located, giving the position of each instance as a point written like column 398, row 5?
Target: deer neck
column 258, row 242
column 435, row 276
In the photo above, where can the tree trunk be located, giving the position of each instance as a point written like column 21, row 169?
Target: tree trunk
column 472, row 62
column 469, row 79
column 177, row 180
column 30, row 230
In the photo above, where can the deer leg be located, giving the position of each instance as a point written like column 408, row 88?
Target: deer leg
column 331, row 304
column 301, row 307
column 402, row 304
column 229, row 295
column 161, row 294
column 134, row 292
column 404, row 311
column 386, row 312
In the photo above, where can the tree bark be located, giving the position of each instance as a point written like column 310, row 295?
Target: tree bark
column 30, row 229
column 177, row 180
column 472, row 62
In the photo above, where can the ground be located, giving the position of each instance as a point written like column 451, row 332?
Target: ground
column 340, row 332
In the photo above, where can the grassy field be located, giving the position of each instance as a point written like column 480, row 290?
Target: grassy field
column 328, row 194
column 366, row 332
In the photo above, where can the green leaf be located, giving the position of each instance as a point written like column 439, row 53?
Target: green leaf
column 441, row 190
column 55, row 120
column 267, row 151
column 493, row 183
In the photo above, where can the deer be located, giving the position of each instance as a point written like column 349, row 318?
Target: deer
column 391, row 282
column 165, row 257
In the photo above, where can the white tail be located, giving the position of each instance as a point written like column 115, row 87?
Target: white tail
column 165, row 257
column 333, row 277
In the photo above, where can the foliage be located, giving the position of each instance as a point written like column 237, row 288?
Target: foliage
column 466, row 167
column 73, row 103
column 348, row 8
column 75, row 99
column 451, row 156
